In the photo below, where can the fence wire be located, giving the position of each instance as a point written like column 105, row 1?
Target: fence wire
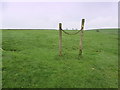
column 71, row 33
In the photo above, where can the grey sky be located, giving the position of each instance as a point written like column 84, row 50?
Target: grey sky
column 49, row 14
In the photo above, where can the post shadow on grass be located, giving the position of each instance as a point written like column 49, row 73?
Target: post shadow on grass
column 80, row 57
column 67, row 56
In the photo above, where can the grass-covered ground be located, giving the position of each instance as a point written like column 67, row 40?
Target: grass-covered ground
column 30, row 59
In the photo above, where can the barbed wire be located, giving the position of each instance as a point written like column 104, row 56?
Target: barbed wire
column 70, row 33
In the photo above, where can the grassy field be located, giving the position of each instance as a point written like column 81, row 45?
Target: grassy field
column 30, row 59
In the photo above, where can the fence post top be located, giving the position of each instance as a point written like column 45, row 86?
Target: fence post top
column 60, row 23
column 83, row 20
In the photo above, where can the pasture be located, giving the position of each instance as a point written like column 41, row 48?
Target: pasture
column 30, row 59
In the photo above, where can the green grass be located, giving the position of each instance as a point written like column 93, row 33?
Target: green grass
column 30, row 60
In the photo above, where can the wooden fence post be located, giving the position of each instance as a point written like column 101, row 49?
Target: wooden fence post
column 60, row 39
column 81, row 37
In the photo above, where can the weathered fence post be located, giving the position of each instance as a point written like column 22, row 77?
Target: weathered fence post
column 81, row 37
column 60, row 39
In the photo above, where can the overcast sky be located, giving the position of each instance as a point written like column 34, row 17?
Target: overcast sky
column 44, row 15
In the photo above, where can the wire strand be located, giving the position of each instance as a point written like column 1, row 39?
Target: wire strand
column 71, row 33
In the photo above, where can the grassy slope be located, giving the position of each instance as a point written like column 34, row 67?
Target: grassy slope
column 30, row 59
